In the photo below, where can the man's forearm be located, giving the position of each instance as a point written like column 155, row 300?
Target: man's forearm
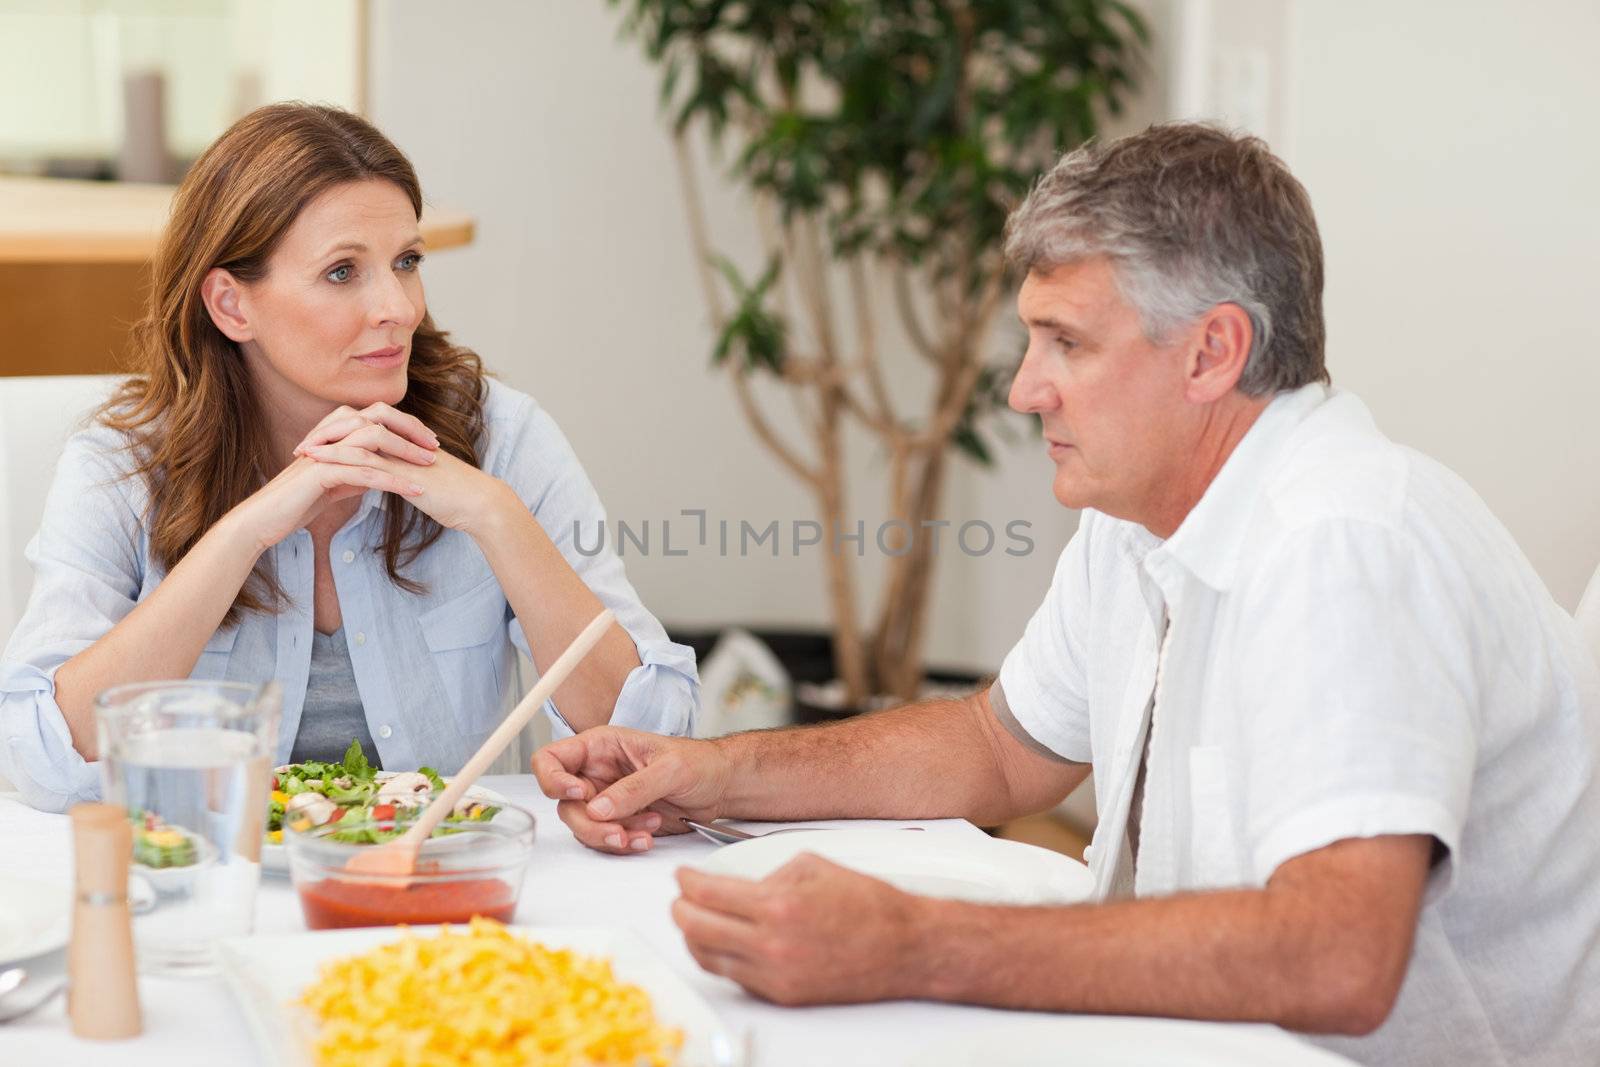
column 1201, row 957
column 936, row 759
column 1322, row 952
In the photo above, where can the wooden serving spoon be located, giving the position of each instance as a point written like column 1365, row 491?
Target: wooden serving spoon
column 398, row 858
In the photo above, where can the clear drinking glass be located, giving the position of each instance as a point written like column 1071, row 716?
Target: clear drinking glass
column 192, row 763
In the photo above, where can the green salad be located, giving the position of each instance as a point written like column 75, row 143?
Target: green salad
column 158, row 844
column 376, row 803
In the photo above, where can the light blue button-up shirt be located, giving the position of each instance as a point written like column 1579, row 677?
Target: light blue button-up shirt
column 434, row 669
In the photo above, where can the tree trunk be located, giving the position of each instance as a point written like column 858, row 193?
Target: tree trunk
column 849, row 653
column 898, row 640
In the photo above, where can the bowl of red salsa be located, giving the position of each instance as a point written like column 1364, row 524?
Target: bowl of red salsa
column 460, row 873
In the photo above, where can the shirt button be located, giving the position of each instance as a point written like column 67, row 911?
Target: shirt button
column 361, row 637
column 349, row 556
column 385, row 731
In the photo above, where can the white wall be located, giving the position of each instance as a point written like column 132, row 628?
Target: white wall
column 1451, row 156
column 1455, row 177
column 1446, row 150
column 580, row 289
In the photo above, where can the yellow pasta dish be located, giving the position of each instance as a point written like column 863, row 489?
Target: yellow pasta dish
column 484, row 996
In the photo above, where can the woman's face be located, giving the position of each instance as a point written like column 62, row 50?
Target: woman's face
column 331, row 321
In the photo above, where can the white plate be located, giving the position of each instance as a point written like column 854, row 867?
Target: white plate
column 953, row 866
column 34, row 918
column 268, row 973
column 276, row 857
column 1029, row 1040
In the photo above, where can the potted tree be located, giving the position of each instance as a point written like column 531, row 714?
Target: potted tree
column 877, row 138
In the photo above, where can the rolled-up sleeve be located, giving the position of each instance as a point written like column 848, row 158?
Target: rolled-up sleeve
column 88, row 570
column 661, row 694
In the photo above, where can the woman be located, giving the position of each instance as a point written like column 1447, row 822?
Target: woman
column 305, row 480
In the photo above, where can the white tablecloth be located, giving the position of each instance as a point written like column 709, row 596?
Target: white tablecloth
column 194, row 1021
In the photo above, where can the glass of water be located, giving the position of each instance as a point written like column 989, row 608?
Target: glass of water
column 191, row 761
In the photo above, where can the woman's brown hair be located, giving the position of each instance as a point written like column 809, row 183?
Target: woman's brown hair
column 196, row 431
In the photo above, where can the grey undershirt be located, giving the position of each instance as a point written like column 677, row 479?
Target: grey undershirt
column 333, row 714
column 1136, row 805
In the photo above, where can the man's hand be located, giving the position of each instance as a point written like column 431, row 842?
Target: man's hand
column 619, row 787
column 811, row 932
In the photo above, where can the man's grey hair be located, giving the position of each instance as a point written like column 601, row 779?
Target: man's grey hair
column 1190, row 216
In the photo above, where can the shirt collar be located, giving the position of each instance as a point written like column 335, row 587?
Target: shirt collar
column 1208, row 541
column 371, row 500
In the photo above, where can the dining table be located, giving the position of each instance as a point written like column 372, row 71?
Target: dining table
column 194, row 1020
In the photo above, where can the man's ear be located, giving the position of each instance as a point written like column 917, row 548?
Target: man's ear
column 1224, row 336
column 223, row 296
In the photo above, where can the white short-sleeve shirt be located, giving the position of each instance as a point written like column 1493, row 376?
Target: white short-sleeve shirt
column 1356, row 648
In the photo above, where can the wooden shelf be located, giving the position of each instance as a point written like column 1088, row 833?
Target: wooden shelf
column 74, row 266
column 54, row 220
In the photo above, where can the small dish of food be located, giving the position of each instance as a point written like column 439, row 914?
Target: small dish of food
column 167, row 857
column 469, row 868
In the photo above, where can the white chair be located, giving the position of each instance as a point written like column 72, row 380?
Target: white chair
column 37, row 415
column 1588, row 614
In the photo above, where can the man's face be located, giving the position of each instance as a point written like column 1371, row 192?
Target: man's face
column 1111, row 402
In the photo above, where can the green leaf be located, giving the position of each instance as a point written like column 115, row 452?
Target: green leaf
column 968, row 443
column 730, row 273
column 355, row 761
column 759, row 334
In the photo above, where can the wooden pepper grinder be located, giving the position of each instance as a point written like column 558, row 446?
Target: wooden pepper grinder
column 102, row 993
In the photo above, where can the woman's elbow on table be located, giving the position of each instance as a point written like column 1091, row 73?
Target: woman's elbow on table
column 36, row 754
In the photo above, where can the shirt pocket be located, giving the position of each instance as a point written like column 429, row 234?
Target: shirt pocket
column 466, row 636
column 213, row 662
column 1213, row 831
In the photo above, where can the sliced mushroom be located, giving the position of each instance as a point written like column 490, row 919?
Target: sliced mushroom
column 405, row 785
column 314, row 806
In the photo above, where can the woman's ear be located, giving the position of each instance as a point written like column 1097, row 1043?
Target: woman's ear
column 223, row 297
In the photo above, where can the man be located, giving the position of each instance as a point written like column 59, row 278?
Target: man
column 1344, row 742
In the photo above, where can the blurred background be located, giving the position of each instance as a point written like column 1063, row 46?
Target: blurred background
column 1449, row 151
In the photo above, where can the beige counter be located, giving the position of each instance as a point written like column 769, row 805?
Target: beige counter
column 74, row 263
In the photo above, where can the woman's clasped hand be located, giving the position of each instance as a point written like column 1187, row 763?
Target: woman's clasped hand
column 376, row 447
